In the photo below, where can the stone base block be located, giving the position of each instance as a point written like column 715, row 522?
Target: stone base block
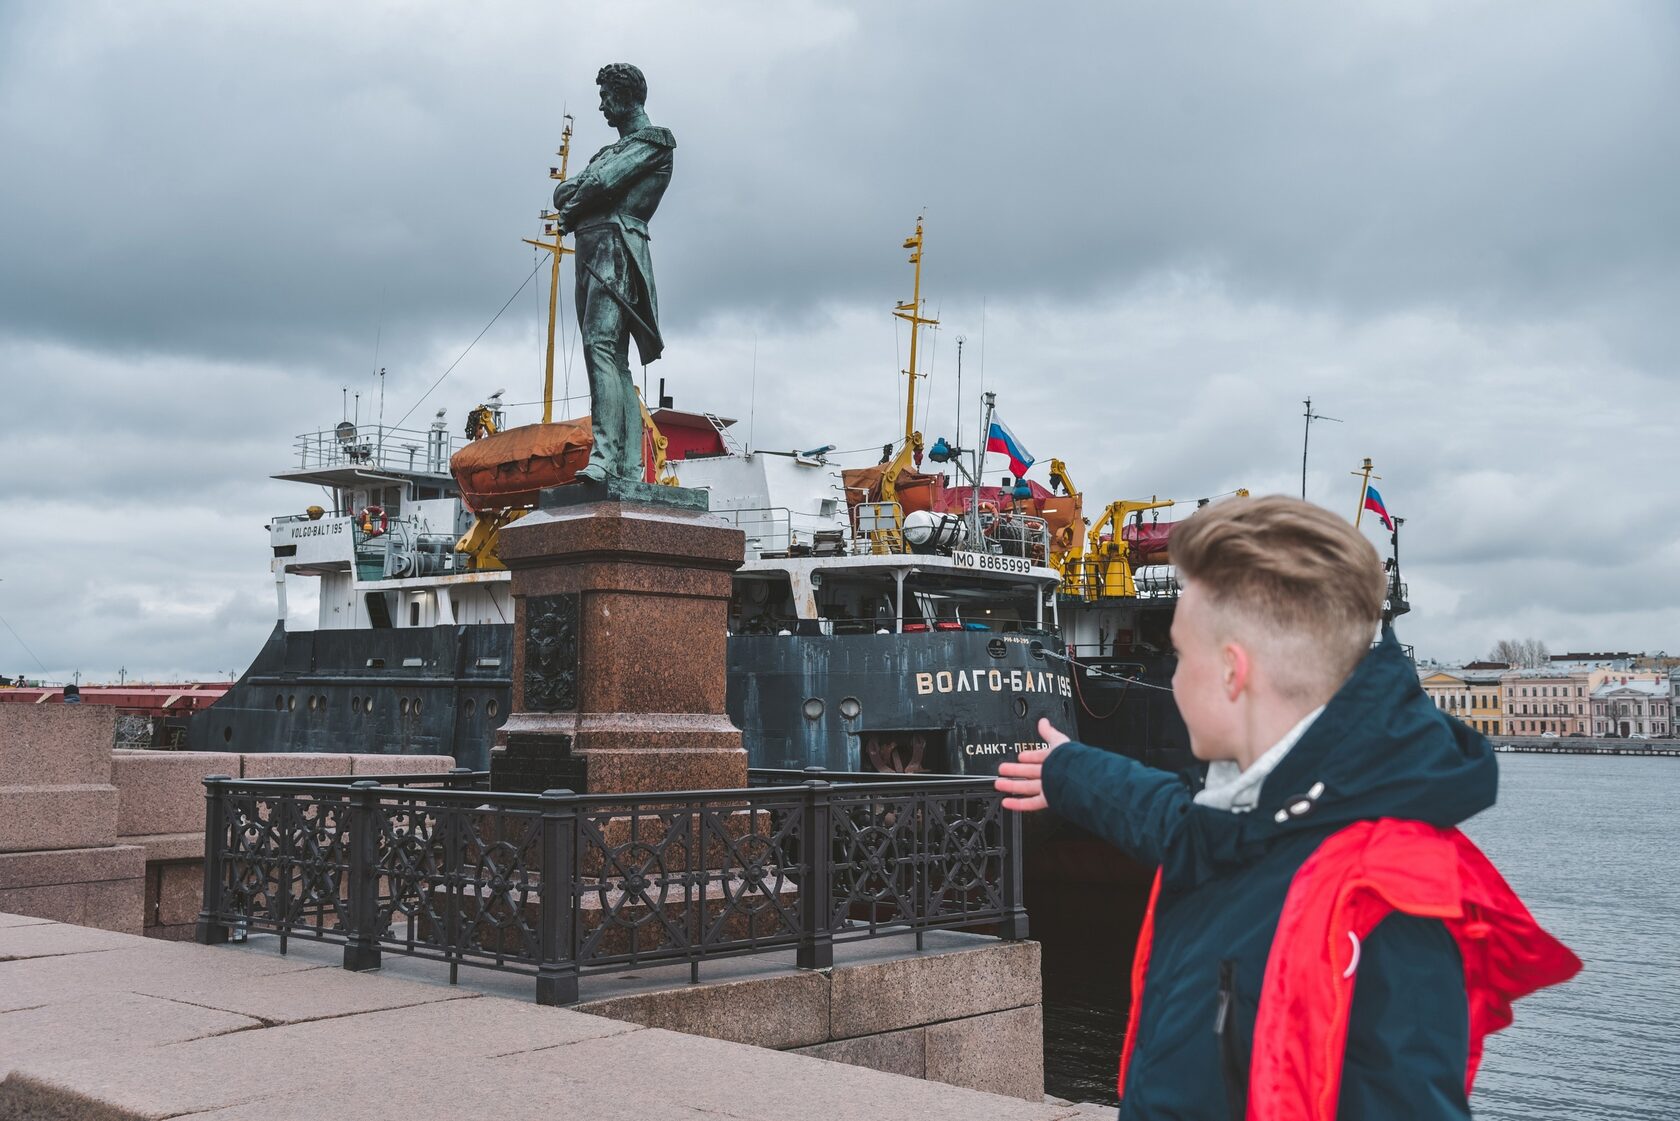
column 98, row 887
column 162, row 848
column 629, row 752
column 172, row 933
column 1000, row 1052
column 584, row 492
column 41, row 818
column 776, row 1012
column 180, row 894
column 163, row 791
column 57, row 744
column 903, row 992
column 614, row 771
column 895, row 1052
column 370, row 766
column 292, row 765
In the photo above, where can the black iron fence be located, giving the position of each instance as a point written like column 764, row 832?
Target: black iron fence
column 557, row 884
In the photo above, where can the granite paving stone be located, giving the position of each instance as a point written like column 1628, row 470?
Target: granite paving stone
column 749, row 1083
column 145, row 963
column 433, row 1043
column 116, row 1021
column 287, row 998
column 53, row 939
column 9, row 920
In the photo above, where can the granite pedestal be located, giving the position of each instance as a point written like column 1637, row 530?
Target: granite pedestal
column 621, row 611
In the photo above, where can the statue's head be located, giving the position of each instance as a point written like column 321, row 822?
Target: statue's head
column 623, row 91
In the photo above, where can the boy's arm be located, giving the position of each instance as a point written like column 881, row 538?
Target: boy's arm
column 1135, row 808
column 1138, row 809
column 1409, row 1030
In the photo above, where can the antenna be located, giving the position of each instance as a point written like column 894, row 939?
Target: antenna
column 752, row 398
column 1307, row 435
column 961, row 339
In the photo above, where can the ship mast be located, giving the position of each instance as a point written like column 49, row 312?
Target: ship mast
column 1364, row 485
column 912, row 314
column 559, row 250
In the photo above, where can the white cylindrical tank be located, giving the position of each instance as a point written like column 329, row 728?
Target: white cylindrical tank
column 926, row 530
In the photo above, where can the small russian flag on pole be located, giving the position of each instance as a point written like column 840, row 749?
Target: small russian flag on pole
column 1000, row 439
column 1374, row 503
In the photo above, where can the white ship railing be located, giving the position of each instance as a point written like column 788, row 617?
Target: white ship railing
column 378, row 447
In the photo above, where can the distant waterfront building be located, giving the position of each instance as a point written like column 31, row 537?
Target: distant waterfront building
column 1471, row 694
column 1560, row 700
column 1628, row 706
column 1537, row 701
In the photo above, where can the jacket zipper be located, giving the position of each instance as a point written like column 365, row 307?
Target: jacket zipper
column 1230, row 1049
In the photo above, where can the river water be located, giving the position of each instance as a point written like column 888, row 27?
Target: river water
column 1592, row 845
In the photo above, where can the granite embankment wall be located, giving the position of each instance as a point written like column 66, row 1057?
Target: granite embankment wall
column 112, row 838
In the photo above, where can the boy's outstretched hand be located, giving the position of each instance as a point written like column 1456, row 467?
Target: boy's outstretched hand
column 1024, row 778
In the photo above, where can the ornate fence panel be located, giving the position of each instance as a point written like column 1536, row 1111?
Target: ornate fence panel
column 556, row 884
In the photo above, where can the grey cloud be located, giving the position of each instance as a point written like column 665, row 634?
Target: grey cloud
column 1452, row 224
column 1507, row 159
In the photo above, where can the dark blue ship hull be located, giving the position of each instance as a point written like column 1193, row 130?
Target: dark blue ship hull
column 940, row 701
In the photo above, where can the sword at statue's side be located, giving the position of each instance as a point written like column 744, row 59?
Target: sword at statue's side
column 616, row 295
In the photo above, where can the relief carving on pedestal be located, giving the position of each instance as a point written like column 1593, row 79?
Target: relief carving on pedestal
column 551, row 653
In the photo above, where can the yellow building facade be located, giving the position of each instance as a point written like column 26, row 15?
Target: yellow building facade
column 1472, row 696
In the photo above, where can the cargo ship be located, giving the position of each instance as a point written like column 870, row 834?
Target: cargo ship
column 885, row 618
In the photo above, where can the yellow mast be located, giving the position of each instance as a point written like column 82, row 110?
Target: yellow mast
column 912, row 314
column 1364, row 483
column 559, row 251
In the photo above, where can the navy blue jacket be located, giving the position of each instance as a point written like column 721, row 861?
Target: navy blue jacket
column 1381, row 749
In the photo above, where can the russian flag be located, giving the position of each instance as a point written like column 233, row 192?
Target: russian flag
column 1000, row 439
column 1374, row 503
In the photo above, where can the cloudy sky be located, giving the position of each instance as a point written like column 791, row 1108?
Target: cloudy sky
column 1159, row 226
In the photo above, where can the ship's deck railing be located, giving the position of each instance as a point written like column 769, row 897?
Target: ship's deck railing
column 888, row 625
column 377, row 447
column 776, row 531
column 1087, row 579
column 557, row 884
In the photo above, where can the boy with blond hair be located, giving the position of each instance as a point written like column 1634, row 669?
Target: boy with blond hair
column 1321, row 941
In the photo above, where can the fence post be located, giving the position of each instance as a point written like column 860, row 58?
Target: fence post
column 557, row 965
column 816, row 908
column 361, row 948
column 210, row 931
column 1013, row 928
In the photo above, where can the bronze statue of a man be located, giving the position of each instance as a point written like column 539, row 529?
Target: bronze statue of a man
column 608, row 206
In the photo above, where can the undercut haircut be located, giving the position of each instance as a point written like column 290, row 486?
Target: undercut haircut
column 1306, row 583
column 623, row 79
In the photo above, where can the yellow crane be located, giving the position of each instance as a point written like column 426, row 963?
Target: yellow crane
column 1107, row 569
column 1067, row 549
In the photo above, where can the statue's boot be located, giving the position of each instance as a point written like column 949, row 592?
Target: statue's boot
column 594, row 472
